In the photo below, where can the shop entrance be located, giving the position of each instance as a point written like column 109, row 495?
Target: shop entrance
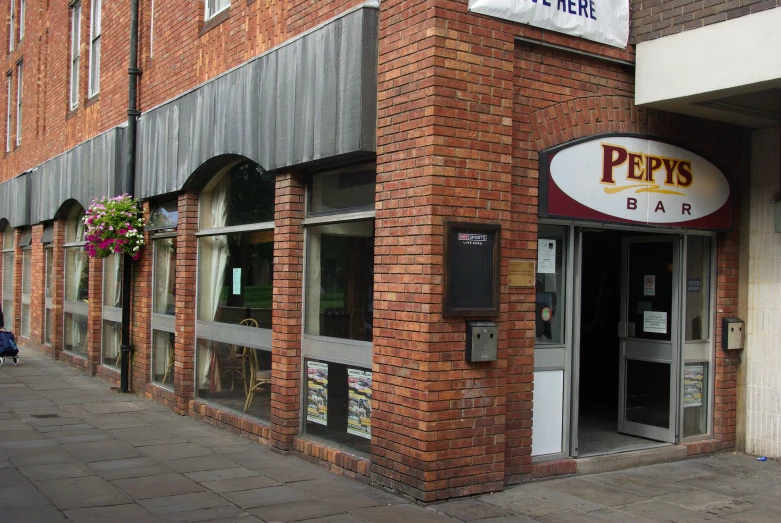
column 627, row 358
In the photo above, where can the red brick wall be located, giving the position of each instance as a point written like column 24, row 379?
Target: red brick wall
column 287, row 310
column 186, row 270
column 37, row 288
column 141, row 313
column 58, row 288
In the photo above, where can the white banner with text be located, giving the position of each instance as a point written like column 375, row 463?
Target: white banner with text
column 604, row 21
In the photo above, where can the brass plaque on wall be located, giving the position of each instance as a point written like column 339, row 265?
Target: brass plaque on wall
column 521, row 273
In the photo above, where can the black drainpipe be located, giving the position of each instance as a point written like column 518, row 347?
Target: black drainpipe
column 132, row 118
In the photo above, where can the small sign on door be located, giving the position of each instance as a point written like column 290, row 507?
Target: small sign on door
column 649, row 285
column 655, row 321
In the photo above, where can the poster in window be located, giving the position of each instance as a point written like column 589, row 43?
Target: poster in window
column 317, row 392
column 693, row 380
column 359, row 414
column 546, row 256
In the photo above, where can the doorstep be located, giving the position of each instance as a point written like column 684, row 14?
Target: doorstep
column 630, row 459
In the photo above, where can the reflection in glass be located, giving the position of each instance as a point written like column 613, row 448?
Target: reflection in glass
column 48, row 285
column 26, row 286
column 650, row 287
column 112, row 341
column 163, row 358
column 340, row 279
column 76, row 333
column 112, row 280
column 165, row 276
column 348, row 188
column 8, row 288
column 237, row 378
column 648, row 393
column 549, row 318
column 49, row 267
column 76, row 274
column 47, row 332
column 164, row 216
column 695, row 399
column 240, row 196
column 698, row 263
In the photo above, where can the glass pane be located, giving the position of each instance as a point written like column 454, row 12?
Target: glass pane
column 347, row 188
column 648, row 393
column 338, row 406
column 27, row 265
column 695, row 399
column 8, row 288
column 237, row 378
column 112, row 280
column 76, row 274
column 8, row 238
column 549, row 319
column 240, row 196
column 340, row 280
column 49, row 266
column 235, row 277
column 74, row 227
column 650, row 289
column 163, row 358
column 164, row 216
column 76, row 333
column 26, row 320
column 112, row 341
column 698, row 263
column 165, row 276
column 47, row 331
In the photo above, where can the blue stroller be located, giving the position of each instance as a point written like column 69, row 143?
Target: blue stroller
column 8, row 348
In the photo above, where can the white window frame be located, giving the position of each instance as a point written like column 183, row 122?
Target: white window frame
column 11, row 28
column 19, row 85
column 22, row 10
column 95, row 31
column 152, row 29
column 75, row 54
column 215, row 7
column 8, row 114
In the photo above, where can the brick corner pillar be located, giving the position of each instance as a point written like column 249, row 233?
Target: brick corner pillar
column 444, row 152
column 727, row 362
column 95, row 314
column 16, row 321
column 186, row 272
column 58, row 287
column 37, row 288
column 287, row 309
column 141, row 313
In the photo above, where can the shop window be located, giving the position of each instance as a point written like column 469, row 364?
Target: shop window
column 550, row 285
column 8, row 276
column 235, row 283
column 48, row 236
column 76, row 292
column 162, row 223
column 698, row 283
column 695, row 399
column 25, row 242
column 112, row 310
column 338, row 321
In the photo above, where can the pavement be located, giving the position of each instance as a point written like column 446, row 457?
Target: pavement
column 73, row 450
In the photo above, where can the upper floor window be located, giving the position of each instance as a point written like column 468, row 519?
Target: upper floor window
column 12, row 25
column 75, row 54
column 21, row 18
column 19, row 67
column 216, row 6
column 8, row 106
column 94, row 49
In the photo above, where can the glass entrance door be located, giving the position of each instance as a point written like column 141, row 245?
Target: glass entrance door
column 649, row 343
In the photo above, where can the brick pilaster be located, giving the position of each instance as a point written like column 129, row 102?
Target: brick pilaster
column 287, row 303
column 37, row 287
column 186, row 271
column 95, row 314
column 58, row 286
column 141, row 313
column 16, row 321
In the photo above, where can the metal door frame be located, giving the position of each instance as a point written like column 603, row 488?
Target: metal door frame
column 647, row 431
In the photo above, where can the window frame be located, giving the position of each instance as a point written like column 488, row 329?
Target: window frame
column 74, row 307
column 12, row 26
column 26, row 253
column 22, row 12
column 19, row 95
column 48, row 287
column 212, row 11
column 96, row 29
column 75, row 55
column 4, row 250
column 161, row 322
column 9, row 110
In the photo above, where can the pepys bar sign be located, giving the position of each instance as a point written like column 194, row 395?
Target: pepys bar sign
column 634, row 180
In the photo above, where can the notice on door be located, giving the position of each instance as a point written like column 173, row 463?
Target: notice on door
column 649, row 285
column 655, row 321
column 693, row 380
column 546, row 256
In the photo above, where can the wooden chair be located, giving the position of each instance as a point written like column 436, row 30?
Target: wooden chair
column 237, row 363
column 257, row 376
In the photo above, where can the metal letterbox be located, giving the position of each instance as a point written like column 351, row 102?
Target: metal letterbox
column 732, row 333
column 482, row 339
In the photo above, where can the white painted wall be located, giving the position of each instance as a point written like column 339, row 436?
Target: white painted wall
column 763, row 342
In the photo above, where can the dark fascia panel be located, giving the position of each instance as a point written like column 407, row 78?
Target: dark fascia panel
column 15, row 199
column 309, row 100
column 92, row 169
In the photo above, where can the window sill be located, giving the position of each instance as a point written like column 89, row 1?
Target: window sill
column 215, row 20
column 90, row 101
column 73, row 112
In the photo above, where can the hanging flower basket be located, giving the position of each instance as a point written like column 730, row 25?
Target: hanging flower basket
column 114, row 225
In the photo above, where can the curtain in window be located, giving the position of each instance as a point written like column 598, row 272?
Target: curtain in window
column 164, row 274
column 218, row 254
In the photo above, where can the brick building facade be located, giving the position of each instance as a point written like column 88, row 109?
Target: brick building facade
column 299, row 163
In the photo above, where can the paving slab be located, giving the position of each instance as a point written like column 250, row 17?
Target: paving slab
column 103, row 451
column 237, row 484
column 37, row 514
column 292, row 512
column 129, row 513
column 397, row 513
column 182, row 502
column 266, row 496
column 217, row 475
column 88, row 491
column 158, row 486
column 635, row 483
column 596, row 492
column 200, row 463
column 61, row 471
column 175, row 451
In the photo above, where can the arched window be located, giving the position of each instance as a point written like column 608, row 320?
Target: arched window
column 235, row 281
column 76, row 284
